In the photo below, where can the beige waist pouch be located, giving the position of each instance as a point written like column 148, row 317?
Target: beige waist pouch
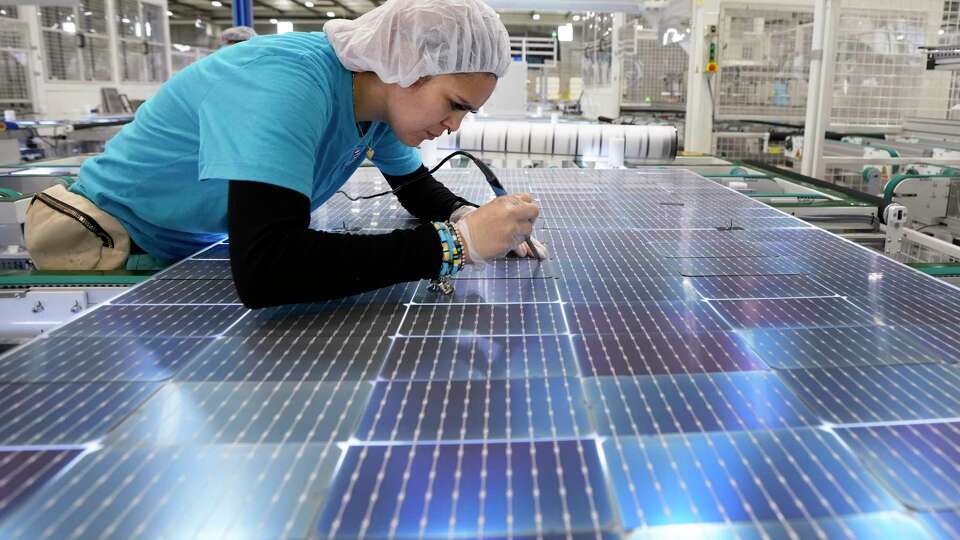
column 65, row 231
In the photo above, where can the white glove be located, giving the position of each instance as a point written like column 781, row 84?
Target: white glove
column 461, row 212
column 497, row 227
column 523, row 250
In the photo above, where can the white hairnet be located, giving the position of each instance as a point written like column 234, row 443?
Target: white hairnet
column 404, row 40
column 237, row 34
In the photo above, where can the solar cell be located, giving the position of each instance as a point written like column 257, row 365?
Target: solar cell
column 794, row 385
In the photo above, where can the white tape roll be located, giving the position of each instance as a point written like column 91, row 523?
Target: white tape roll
column 634, row 141
column 589, row 145
column 447, row 141
column 518, row 137
column 565, row 140
column 608, row 134
column 471, row 136
column 495, row 137
column 615, row 156
column 541, row 138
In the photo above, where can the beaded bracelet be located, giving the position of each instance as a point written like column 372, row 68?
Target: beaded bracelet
column 452, row 261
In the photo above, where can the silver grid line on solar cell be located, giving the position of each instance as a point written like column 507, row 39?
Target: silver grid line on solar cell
column 601, row 393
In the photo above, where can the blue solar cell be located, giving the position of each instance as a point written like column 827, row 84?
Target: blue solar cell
column 716, row 249
column 22, row 471
column 878, row 394
column 668, row 318
column 349, row 317
column 242, row 413
column 840, row 347
column 181, row 291
column 666, row 289
column 908, row 309
column 873, row 526
column 692, row 403
column 215, row 491
column 511, row 268
column 657, row 354
column 66, row 413
column 479, row 291
column 917, row 462
column 745, row 266
column 521, row 409
column 475, row 490
column 462, row 358
column 484, row 320
column 99, row 359
column 941, row 525
column 776, row 286
column 738, row 477
column 198, row 269
column 791, row 313
column 308, row 358
column 153, row 321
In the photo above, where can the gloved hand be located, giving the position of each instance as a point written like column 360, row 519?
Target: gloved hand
column 523, row 250
column 497, row 227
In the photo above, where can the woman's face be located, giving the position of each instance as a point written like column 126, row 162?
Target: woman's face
column 436, row 104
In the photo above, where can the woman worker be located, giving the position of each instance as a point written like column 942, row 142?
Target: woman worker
column 248, row 141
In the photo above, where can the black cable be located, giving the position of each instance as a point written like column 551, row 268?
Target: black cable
column 487, row 173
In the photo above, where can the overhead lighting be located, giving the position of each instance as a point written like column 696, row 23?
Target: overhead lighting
column 576, row 18
column 169, row 13
column 127, row 21
column 331, row 14
column 284, row 26
column 941, row 32
column 308, row 4
column 88, row 13
column 216, row 3
column 198, row 23
column 273, row 21
column 901, row 37
column 536, row 16
column 69, row 27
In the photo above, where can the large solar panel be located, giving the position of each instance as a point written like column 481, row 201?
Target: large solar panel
column 688, row 364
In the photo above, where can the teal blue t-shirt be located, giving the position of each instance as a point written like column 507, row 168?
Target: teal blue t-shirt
column 276, row 109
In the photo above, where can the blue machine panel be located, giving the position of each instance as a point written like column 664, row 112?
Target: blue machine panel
column 738, row 477
column 791, row 385
column 490, row 490
column 657, row 354
column 918, row 462
column 635, row 406
column 94, row 359
column 511, row 409
column 425, row 359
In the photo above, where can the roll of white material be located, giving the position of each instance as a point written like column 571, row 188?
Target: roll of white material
column 554, row 118
column 428, row 153
column 541, row 138
column 635, row 142
column 447, row 141
column 738, row 186
column 518, row 137
column 608, row 134
column 565, row 140
column 589, row 141
column 495, row 137
column 471, row 136
column 662, row 142
column 615, row 156
column 10, row 115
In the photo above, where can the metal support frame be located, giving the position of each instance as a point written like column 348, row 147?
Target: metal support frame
column 820, row 91
column 698, row 136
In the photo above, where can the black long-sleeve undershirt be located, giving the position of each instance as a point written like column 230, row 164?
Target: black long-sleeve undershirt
column 277, row 259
